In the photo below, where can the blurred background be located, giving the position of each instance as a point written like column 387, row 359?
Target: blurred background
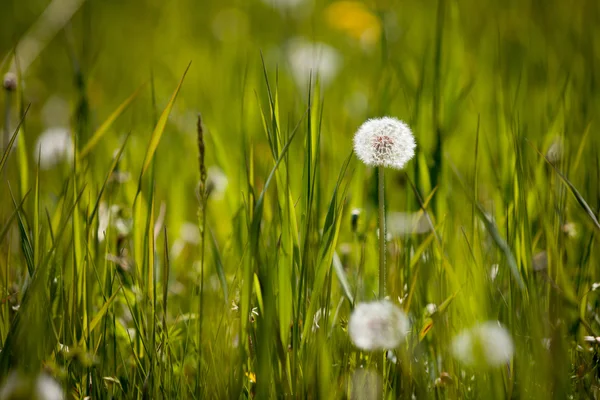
column 481, row 83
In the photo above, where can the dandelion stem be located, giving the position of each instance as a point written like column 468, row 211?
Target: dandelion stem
column 382, row 270
column 6, row 134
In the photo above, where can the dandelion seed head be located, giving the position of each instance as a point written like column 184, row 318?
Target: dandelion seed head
column 488, row 344
column 386, row 142
column 53, row 146
column 20, row 386
column 310, row 61
column 378, row 325
column 10, row 82
column 47, row 388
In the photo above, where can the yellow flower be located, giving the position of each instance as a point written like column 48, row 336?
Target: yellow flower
column 354, row 19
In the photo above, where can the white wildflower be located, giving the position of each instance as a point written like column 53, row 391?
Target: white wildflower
column 570, row 229
column 386, row 142
column 487, row 344
column 310, row 61
column 378, row 325
column 431, row 308
column 53, row 146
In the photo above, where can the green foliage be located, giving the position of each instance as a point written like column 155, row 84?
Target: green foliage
column 102, row 269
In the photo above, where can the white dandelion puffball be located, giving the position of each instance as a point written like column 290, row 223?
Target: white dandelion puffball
column 53, row 146
column 378, row 325
column 20, row 386
column 488, row 344
column 384, row 142
column 310, row 61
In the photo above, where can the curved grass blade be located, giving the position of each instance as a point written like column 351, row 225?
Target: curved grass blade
column 574, row 191
column 4, row 230
column 110, row 172
column 493, row 231
column 12, row 140
column 101, row 131
column 160, row 128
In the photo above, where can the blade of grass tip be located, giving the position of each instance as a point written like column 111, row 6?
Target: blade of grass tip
column 36, row 216
column 572, row 188
column 17, row 209
column 341, row 274
column 159, row 129
column 98, row 317
column 113, row 165
column 101, row 131
column 12, row 140
column 491, row 228
column 331, row 228
column 254, row 233
column 158, row 132
column 25, row 239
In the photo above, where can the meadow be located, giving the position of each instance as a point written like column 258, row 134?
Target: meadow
column 183, row 215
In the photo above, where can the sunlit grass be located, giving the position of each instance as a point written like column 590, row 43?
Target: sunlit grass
column 143, row 264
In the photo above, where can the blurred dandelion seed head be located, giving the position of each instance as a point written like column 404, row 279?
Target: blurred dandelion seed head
column 386, row 142
column 9, row 82
column 19, row 386
column 310, row 61
column 378, row 325
column 53, row 146
column 488, row 344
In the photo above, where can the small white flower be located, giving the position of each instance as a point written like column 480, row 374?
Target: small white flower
column 53, row 146
column 386, row 142
column 431, row 308
column 311, row 61
column 216, row 182
column 378, row 325
column 487, row 344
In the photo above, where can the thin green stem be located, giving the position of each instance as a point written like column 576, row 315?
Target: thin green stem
column 382, row 270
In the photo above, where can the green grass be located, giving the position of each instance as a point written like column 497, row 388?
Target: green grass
column 148, row 312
